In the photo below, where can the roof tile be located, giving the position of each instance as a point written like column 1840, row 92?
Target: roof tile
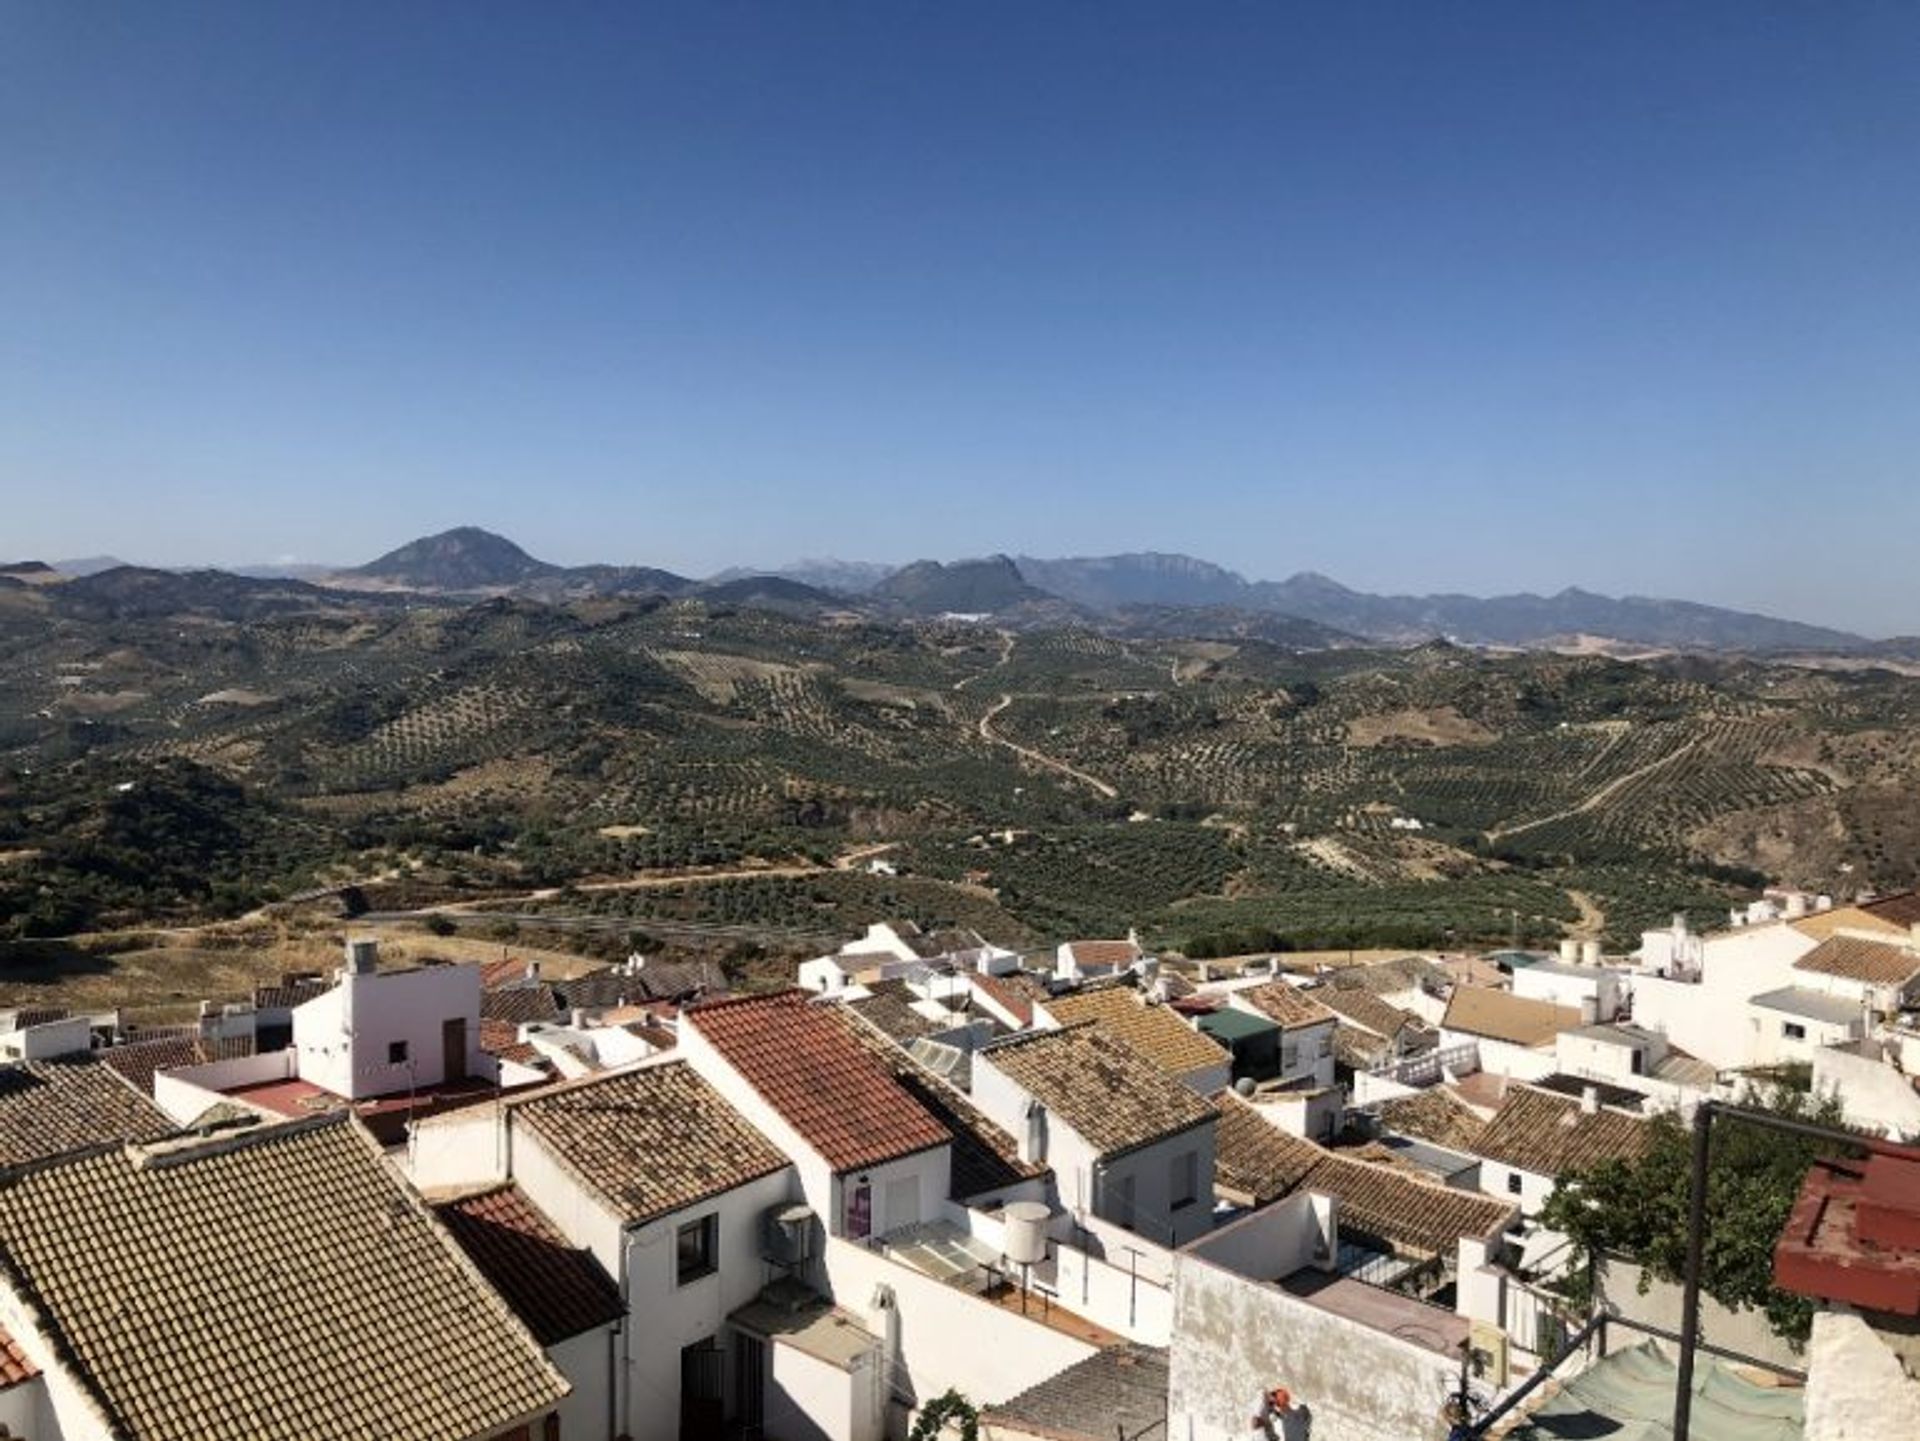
column 558, row 1290
column 1154, row 1031
column 1113, row 1096
column 1551, row 1135
column 1503, row 1016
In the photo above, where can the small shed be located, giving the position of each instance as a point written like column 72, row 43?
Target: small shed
column 1253, row 1040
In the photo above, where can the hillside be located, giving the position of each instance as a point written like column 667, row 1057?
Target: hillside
column 964, row 587
column 1215, row 789
column 463, row 559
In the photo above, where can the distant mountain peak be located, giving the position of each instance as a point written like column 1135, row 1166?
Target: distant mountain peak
column 464, row 558
column 929, row 587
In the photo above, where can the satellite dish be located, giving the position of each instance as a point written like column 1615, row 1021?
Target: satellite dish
column 1243, row 1086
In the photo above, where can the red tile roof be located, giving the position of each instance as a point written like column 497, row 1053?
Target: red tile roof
column 557, row 1290
column 823, row 1082
column 1854, row 1235
column 1013, row 994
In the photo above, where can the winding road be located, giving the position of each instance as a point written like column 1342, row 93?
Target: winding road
column 1046, row 761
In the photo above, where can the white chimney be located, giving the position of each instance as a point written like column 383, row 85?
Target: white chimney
column 579, row 1018
column 533, row 970
column 1589, row 1011
column 1033, row 1135
column 362, row 955
column 1589, row 1100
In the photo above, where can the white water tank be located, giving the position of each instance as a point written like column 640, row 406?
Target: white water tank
column 1590, row 953
column 1569, row 951
column 1026, row 1243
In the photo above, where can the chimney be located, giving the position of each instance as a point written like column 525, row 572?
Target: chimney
column 1589, row 1100
column 533, row 970
column 1589, row 1011
column 579, row 1018
column 362, row 954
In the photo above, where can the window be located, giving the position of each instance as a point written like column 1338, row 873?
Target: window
column 1793, row 1030
column 1186, row 1179
column 699, row 1249
column 396, row 1053
column 1513, row 1183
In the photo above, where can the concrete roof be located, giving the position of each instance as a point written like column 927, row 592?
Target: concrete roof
column 1810, row 1005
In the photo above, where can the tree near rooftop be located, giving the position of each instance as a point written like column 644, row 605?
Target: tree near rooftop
column 1639, row 1210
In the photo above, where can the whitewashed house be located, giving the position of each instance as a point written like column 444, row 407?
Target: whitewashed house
column 377, row 1032
column 1515, row 1035
column 1306, row 1030
column 1127, row 1143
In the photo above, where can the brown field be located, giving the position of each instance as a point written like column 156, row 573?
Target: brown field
column 1444, row 726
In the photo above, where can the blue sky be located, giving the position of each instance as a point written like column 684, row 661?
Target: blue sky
column 1427, row 296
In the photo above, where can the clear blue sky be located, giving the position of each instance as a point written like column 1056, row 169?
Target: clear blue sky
column 1463, row 296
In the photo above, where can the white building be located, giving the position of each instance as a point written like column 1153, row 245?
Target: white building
column 1090, row 960
column 1306, row 1030
column 379, row 1032
column 1538, row 1136
column 1515, row 1035
column 1790, row 1025
column 1595, row 992
column 1128, row 1144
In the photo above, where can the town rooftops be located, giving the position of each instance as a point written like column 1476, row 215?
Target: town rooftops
column 1287, row 1006
column 135, row 1062
column 1363, row 1008
column 1855, row 958
column 889, row 1005
column 1096, row 954
column 1117, row 1394
column 1152, row 1030
column 1387, row 978
column 1115, row 1098
column 1809, row 1005
column 66, row 1103
column 1433, row 1115
column 557, row 1290
column 1503, row 1016
column 648, row 1141
column 803, row 1063
column 1014, row 993
column 985, row 1157
column 1854, row 1234
column 1256, row 1163
column 275, row 1284
column 1551, row 1135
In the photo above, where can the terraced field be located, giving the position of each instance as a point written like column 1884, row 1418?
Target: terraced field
column 1327, row 795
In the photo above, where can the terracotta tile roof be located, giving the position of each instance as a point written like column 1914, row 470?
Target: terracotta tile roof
column 519, row 1005
column 1118, row 1394
column 557, row 1290
column 15, row 1365
column 1385, row 978
column 1103, row 953
column 47, row 1107
column 1113, row 1096
column 1550, row 1135
column 824, row 1083
column 276, row 1284
column 1856, row 959
column 1154, row 1031
column 1386, row 1203
column 22, row 1017
column 1357, row 1049
column 1901, row 909
column 1363, row 1008
column 1016, row 993
column 1433, row 1115
column 890, row 1007
column 503, row 973
column 985, row 1157
column 1288, row 1006
column 136, row 1061
column 648, row 1141
column 291, row 990
column 1822, row 924
column 502, row 1039
column 1503, row 1016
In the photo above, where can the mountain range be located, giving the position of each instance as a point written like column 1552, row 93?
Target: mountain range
column 1156, row 592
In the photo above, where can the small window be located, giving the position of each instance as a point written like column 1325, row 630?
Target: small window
column 698, row 1245
column 1793, row 1030
column 396, row 1053
column 1513, row 1183
column 1186, row 1179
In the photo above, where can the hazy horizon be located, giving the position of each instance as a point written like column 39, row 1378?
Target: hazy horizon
column 1478, row 299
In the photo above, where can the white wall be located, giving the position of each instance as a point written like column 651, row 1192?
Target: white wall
column 1503, row 1058
column 1872, row 1092
column 943, row 1337
column 667, row 1316
column 185, row 1092
column 50, row 1038
column 344, row 1037
column 1235, row 1338
column 1735, row 967
column 587, row 1361
column 1768, row 1043
column 1496, row 1179
column 1548, row 983
column 1856, row 1387
column 20, row 1408
column 905, row 1191
column 463, row 1147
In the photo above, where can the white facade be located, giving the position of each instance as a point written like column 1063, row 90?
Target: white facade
column 1597, row 993
column 1526, row 1189
column 1874, row 1084
column 379, row 1032
column 925, row 1176
column 1504, row 1058
column 1237, row 1336
column 1795, row 1029
column 1163, row 1190
column 1705, row 1017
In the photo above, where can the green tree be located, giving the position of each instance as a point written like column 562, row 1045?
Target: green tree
column 1639, row 1209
